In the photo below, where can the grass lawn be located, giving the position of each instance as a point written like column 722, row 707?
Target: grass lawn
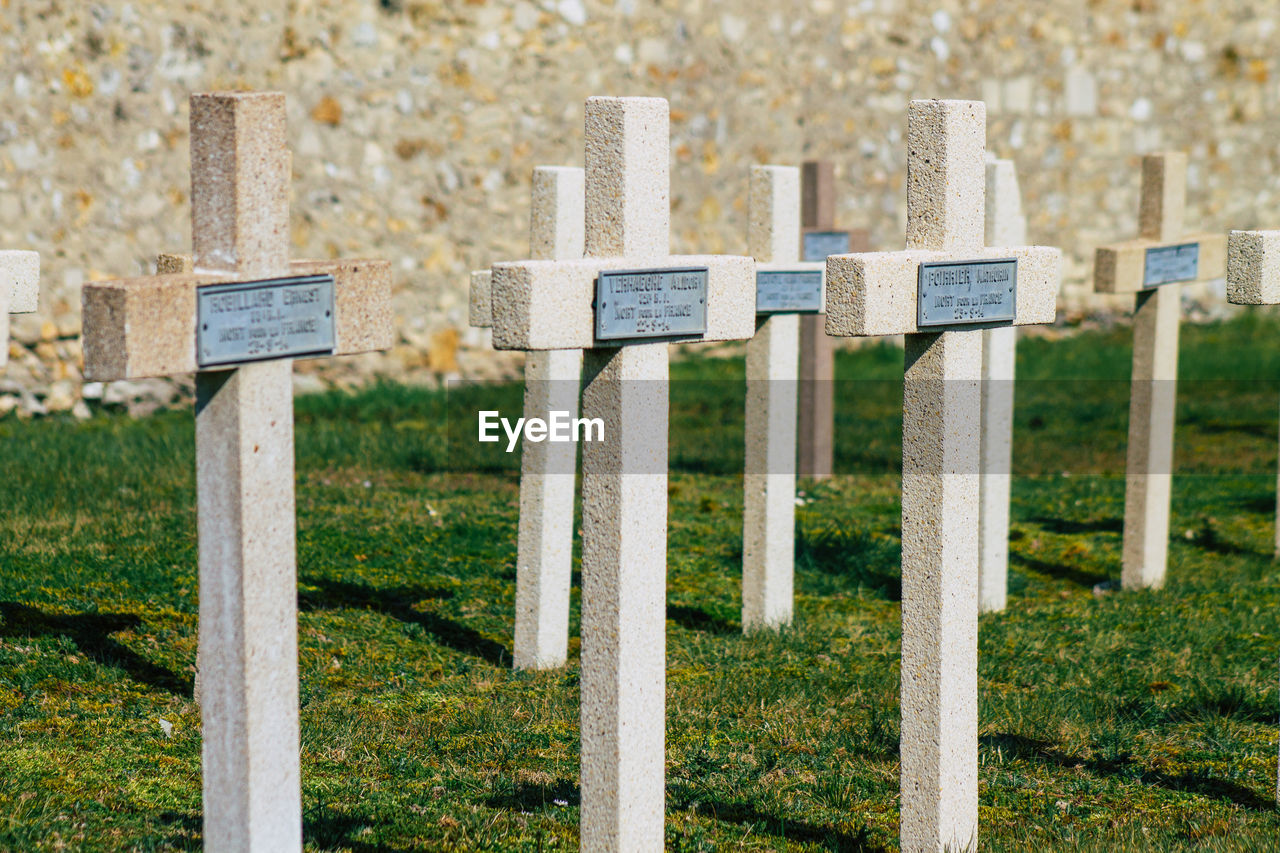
column 1108, row 721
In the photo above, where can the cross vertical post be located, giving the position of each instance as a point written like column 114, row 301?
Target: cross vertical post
column 1005, row 226
column 544, row 546
column 624, row 309
column 941, row 292
column 817, row 348
column 785, row 288
column 1153, row 267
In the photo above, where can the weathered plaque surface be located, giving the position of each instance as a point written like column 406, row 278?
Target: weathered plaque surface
column 788, row 291
column 1167, row 264
column 819, row 244
column 960, row 292
column 255, row 320
column 658, row 303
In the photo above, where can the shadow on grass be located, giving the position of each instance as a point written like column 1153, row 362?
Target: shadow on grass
column 1123, row 764
column 825, row 837
column 91, row 634
column 330, row 830
column 852, row 556
column 1082, row 577
column 398, row 603
column 1067, row 526
column 527, row 796
column 696, row 619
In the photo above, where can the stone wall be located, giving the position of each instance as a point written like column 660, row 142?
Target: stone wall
column 415, row 126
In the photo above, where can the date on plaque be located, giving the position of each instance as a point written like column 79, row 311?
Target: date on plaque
column 658, row 303
column 816, row 245
column 1167, row 264
column 256, row 320
column 788, row 291
column 967, row 292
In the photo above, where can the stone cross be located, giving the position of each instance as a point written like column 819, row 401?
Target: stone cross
column 1253, row 278
column 1152, row 268
column 623, row 303
column 19, row 291
column 817, row 349
column 1005, row 226
column 544, row 546
column 785, row 287
column 941, row 293
column 236, row 325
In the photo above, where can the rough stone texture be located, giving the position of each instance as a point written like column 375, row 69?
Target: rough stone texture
column 1005, row 226
column 875, row 293
column 1153, row 394
column 624, row 590
column 248, row 609
column 1119, row 267
column 544, row 550
column 946, row 181
column 1253, row 267
column 628, row 156
column 435, row 115
column 769, row 481
column 143, row 327
column 540, row 305
column 19, row 291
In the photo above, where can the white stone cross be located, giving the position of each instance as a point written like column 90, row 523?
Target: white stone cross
column 550, row 304
column 773, row 357
column 1253, row 278
column 19, row 291
column 1152, row 268
column 880, row 293
column 544, row 546
column 147, row 326
column 1005, row 226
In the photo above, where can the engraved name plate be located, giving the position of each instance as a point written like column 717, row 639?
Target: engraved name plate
column 1167, row 264
column 954, row 293
column 659, row 303
column 818, row 244
column 788, row 291
column 256, row 320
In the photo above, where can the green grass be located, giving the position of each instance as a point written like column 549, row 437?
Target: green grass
column 1115, row 721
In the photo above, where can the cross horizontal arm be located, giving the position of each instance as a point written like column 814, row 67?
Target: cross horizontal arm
column 800, row 266
column 140, row 327
column 545, row 305
column 1118, row 268
column 875, row 293
column 480, row 305
column 20, row 275
column 1253, row 268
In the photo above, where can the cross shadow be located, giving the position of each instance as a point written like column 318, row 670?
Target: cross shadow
column 695, row 619
column 824, row 837
column 1032, row 749
column 1066, row 526
column 91, row 634
column 528, row 796
column 852, row 555
column 328, row 830
column 1081, row 577
column 398, row 603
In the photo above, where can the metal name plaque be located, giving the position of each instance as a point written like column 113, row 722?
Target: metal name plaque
column 256, row 320
column 819, row 244
column 659, row 303
column 1167, row 264
column 962, row 292
column 788, row 291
